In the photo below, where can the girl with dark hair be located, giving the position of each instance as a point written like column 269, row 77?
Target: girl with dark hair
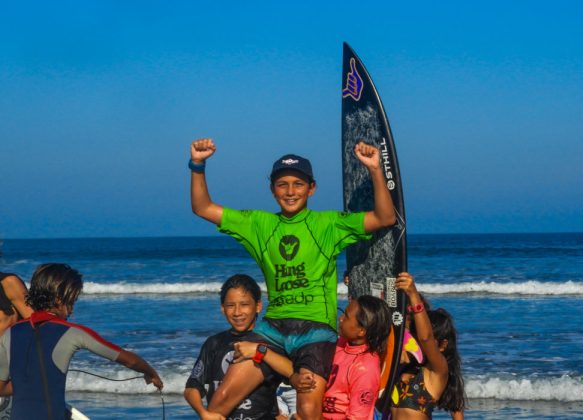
column 438, row 381
column 354, row 382
column 35, row 352
column 353, row 385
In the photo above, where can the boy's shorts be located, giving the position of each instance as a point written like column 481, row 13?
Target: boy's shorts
column 310, row 345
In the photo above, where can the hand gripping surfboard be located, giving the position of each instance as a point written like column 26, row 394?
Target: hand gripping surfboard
column 373, row 265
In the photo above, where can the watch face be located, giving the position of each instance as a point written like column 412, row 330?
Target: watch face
column 262, row 348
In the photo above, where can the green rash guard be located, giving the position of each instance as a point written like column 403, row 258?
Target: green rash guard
column 297, row 256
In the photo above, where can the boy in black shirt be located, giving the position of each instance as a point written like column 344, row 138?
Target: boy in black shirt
column 240, row 303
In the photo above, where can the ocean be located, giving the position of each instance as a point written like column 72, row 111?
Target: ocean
column 516, row 299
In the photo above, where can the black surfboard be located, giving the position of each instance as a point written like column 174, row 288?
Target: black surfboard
column 373, row 265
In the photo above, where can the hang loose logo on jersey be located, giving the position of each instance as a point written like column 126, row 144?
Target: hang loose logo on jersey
column 289, row 247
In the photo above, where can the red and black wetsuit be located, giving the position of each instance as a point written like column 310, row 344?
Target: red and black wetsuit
column 20, row 363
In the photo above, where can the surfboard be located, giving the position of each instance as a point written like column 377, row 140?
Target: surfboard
column 76, row 414
column 6, row 410
column 373, row 265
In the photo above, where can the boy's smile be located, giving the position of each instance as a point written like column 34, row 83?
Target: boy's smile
column 240, row 309
column 291, row 190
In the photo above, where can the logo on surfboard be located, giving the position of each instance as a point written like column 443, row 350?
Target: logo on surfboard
column 397, row 318
column 354, row 83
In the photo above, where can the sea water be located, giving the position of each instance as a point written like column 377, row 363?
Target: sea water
column 516, row 299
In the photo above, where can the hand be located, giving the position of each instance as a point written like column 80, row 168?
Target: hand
column 406, row 283
column 155, row 380
column 368, row 155
column 244, row 350
column 202, row 149
column 208, row 415
column 353, row 83
column 303, row 382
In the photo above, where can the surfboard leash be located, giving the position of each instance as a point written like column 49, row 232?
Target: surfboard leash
column 122, row 380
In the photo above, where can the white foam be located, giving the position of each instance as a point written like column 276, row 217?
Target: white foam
column 123, row 288
column 531, row 287
column 565, row 388
column 525, row 288
column 77, row 381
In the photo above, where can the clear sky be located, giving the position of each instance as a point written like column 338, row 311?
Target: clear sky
column 99, row 101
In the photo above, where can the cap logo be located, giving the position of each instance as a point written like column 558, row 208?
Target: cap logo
column 290, row 161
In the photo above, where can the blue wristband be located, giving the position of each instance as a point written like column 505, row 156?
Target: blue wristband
column 196, row 167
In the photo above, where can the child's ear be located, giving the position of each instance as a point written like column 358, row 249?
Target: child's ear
column 362, row 333
column 312, row 189
column 443, row 345
column 259, row 307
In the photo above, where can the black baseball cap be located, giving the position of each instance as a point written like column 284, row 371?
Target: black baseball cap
column 292, row 163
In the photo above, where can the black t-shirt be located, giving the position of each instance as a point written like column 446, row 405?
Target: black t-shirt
column 209, row 370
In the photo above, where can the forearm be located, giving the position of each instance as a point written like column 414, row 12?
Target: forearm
column 200, row 199
column 383, row 214
column 424, row 332
column 15, row 290
column 135, row 362
column 23, row 309
column 193, row 397
column 279, row 363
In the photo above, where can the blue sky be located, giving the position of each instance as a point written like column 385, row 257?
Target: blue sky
column 99, row 101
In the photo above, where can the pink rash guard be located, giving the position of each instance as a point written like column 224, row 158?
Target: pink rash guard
column 353, row 385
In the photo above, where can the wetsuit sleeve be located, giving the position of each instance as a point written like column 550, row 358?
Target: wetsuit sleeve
column 349, row 229
column 364, row 387
column 242, row 225
column 79, row 337
column 5, row 356
column 200, row 374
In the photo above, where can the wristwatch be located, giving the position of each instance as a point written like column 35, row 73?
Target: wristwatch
column 415, row 309
column 260, row 353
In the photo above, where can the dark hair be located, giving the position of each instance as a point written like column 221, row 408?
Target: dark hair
column 52, row 285
column 272, row 178
column 374, row 316
column 244, row 282
column 453, row 397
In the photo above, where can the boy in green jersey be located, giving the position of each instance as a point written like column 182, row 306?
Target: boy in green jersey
column 296, row 250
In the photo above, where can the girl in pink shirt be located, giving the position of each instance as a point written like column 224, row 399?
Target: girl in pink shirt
column 354, row 381
column 353, row 384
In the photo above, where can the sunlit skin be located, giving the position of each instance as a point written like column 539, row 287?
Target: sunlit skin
column 240, row 309
column 435, row 369
column 349, row 328
column 15, row 291
column 291, row 190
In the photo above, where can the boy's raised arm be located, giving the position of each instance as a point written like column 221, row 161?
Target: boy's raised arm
column 202, row 205
column 383, row 214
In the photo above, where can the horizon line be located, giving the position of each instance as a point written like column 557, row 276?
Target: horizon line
column 224, row 236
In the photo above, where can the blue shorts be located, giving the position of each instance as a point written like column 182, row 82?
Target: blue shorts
column 309, row 344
